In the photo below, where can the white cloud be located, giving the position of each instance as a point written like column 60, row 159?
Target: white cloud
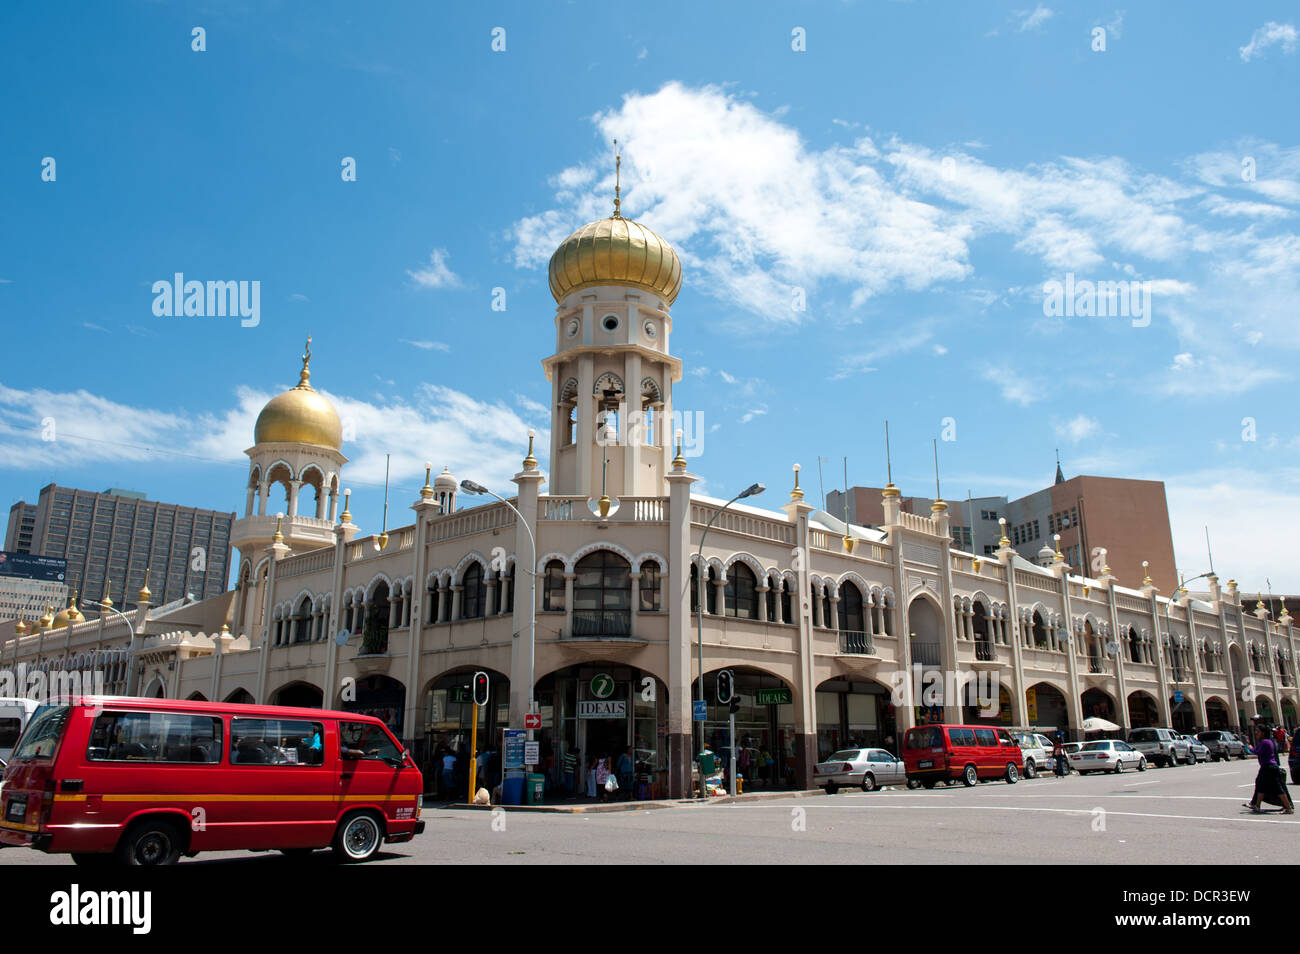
column 1183, row 362
column 940, row 350
column 1021, row 391
column 436, row 274
column 1270, row 34
column 484, row 440
column 1079, row 427
column 427, row 345
column 1033, row 19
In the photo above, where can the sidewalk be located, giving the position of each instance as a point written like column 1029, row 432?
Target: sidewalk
column 581, row 806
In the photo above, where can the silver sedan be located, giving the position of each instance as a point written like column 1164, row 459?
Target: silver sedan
column 1109, row 755
column 867, row 769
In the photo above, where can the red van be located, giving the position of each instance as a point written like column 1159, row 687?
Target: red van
column 972, row 753
column 148, row 780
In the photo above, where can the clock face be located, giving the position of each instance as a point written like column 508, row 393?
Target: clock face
column 650, row 330
column 574, row 325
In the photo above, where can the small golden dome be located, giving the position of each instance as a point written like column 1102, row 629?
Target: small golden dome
column 21, row 627
column 299, row 416
column 616, row 251
column 60, row 618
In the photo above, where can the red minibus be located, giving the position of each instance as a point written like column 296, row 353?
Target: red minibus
column 148, row 780
column 972, row 753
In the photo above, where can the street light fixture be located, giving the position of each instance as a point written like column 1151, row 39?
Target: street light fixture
column 752, row 490
column 130, row 668
column 477, row 489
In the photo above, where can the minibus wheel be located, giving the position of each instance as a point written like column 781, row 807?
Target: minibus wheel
column 970, row 777
column 358, row 838
column 152, row 842
column 91, row 859
column 1011, row 775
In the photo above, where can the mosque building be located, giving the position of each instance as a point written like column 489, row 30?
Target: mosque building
column 612, row 561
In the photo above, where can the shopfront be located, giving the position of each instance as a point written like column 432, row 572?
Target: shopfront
column 853, row 714
column 448, row 718
column 765, row 735
column 596, row 711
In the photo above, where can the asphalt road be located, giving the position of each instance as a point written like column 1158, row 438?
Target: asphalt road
column 1181, row 815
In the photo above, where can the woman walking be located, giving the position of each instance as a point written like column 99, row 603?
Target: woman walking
column 1270, row 783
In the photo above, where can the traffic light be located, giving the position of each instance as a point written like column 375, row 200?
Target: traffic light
column 726, row 686
column 480, row 688
column 735, row 704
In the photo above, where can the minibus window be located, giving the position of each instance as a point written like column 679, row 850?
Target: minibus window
column 928, row 737
column 365, row 740
column 986, row 737
column 964, row 737
column 41, row 740
column 276, row 742
column 155, row 737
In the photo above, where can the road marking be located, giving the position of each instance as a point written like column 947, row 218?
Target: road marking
column 1132, row 784
column 1223, row 774
column 1250, row 819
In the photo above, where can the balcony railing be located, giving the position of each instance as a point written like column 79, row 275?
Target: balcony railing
column 857, row 644
column 927, row 654
column 601, row 624
column 986, row 652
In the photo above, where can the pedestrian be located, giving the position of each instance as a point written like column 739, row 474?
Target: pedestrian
column 1270, row 781
column 625, row 772
column 1058, row 753
column 602, row 776
column 591, row 777
column 448, row 774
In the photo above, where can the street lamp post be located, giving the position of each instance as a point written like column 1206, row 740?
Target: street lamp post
column 750, row 491
column 470, row 487
column 1169, row 633
column 130, row 667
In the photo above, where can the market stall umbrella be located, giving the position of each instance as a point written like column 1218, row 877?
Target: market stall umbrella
column 1098, row 725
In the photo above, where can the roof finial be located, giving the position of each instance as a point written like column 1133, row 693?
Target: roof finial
column 618, row 167
column 306, row 372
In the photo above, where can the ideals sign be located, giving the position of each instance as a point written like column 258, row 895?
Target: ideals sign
column 602, row 709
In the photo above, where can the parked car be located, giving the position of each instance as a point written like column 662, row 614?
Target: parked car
column 100, row 778
column 1037, row 757
column 867, row 769
column 1160, row 746
column 972, row 753
column 1222, row 744
column 1197, row 749
column 1107, row 755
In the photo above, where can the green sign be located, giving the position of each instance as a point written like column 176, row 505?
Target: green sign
column 602, row 685
column 459, row 694
column 773, row 697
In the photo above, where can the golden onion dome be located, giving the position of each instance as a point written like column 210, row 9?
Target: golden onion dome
column 60, row 619
column 299, row 416
column 616, row 251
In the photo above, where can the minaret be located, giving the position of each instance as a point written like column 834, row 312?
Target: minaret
column 611, row 375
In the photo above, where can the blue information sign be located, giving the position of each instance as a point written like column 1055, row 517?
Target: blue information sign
column 699, row 710
column 1178, row 697
column 512, row 755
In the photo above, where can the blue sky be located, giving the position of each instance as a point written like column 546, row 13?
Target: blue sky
column 918, row 170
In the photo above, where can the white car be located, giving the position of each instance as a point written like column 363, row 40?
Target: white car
column 1037, row 755
column 867, row 769
column 1108, row 755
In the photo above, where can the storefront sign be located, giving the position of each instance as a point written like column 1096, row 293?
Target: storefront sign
column 602, row 685
column 595, row 709
column 512, row 748
column 773, row 697
column 459, row 694
column 1031, row 705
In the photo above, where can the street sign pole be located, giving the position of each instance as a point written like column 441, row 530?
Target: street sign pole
column 473, row 753
column 732, row 774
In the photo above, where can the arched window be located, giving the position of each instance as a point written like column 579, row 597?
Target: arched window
column 602, row 595
column 374, row 637
column 695, row 588
column 851, row 608
column 431, row 598
column 1038, row 632
column 773, row 601
column 302, row 622
column 742, row 601
column 507, row 603
column 711, row 592
column 650, row 587
column 787, row 611
column 1134, row 645
column 553, row 587
column 474, row 597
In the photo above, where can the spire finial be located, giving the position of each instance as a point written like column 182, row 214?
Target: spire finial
column 530, row 462
column 618, row 169
column 679, row 462
column 305, row 374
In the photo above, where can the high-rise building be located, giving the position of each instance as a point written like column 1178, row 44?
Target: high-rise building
column 1127, row 518
column 110, row 538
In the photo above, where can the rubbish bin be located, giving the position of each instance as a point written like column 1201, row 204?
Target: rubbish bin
column 534, row 789
column 512, row 789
